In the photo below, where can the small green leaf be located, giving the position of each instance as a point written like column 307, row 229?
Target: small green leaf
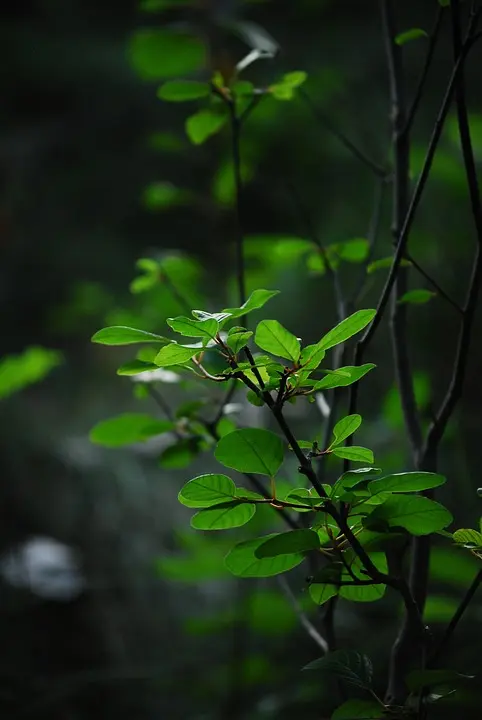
column 409, row 35
column 242, row 561
column 203, row 124
column 344, row 428
column 30, row 366
column 359, row 710
column 182, row 90
column 418, row 515
column 157, row 54
column 223, row 516
column 384, row 263
column 355, row 250
column 468, row 537
column 274, row 338
column 256, row 300
column 128, row 429
column 417, row 297
column 286, row 543
column 354, row 453
column 284, row 89
column 353, row 374
column 419, row 679
column 120, row 335
column 207, row 490
column 348, row 666
column 237, row 341
column 347, row 328
column 135, row 367
column 406, row 482
column 320, row 593
column 174, row 354
column 251, row 450
column 206, row 329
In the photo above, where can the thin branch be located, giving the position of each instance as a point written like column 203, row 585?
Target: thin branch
column 236, row 151
column 159, row 400
column 440, row 291
column 175, row 292
column 303, row 618
column 343, row 139
column 456, row 618
column 432, row 43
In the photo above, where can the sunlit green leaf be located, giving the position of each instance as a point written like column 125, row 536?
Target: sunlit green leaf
column 242, row 560
column 223, row 517
column 30, row 366
column 406, row 482
column 203, row 124
column 347, row 328
column 353, row 374
column 468, row 537
column 409, row 35
column 251, row 450
column 206, row 329
column 311, row 356
column 207, row 490
column 344, row 428
column 354, row 453
column 120, row 335
column 418, row 515
column 237, row 341
column 182, row 90
column 128, row 429
column 256, row 300
column 286, row 543
column 417, row 297
column 174, row 354
column 274, row 338
column 135, row 367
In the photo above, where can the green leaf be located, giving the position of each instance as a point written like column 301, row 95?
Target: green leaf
column 128, row 429
column 353, row 374
column 174, row 354
column 135, row 367
column 223, row 517
column 178, row 455
column 359, row 710
column 320, row 593
column 284, row 89
column 418, row 515
column 354, row 453
column 417, row 297
column 363, row 593
column 203, row 124
column 252, row 450
column 419, row 679
column 344, row 428
column 157, row 53
column 206, row 329
column 286, row 543
column 406, row 482
column 311, row 356
column 207, row 490
column 468, row 537
column 384, row 263
column 303, row 496
column 355, row 250
column 27, row 368
column 120, row 335
column 347, row 328
column 237, row 341
column 256, row 300
column 352, row 478
column 274, row 338
column 183, row 90
column 242, row 561
column 347, row 666
column 409, row 35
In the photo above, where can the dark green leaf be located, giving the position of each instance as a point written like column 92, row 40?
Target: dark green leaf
column 417, row 297
column 406, row 482
column 178, row 455
column 354, row 453
column 182, row 90
column 348, row 666
column 242, row 560
column 274, row 338
column 251, row 450
column 207, row 490
column 320, row 593
column 347, row 328
column 293, row 541
column 157, row 54
column 120, row 335
column 128, row 429
column 352, row 478
column 174, row 354
column 419, row 679
column 363, row 593
column 409, row 35
column 223, row 517
column 344, row 428
column 203, row 124
column 418, row 515
column 353, row 374
column 359, row 710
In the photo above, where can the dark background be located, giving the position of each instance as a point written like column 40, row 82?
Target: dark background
column 82, row 136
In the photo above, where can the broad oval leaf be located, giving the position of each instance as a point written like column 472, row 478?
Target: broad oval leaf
column 292, row 541
column 406, row 482
column 359, row 710
column 251, row 450
column 344, row 428
column 418, row 515
column 353, row 374
column 242, row 561
column 320, row 593
column 194, row 328
column 128, row 429
column 174, row 354
column 468, row 537
column 256, row 300
column 224, row 516
column 120, row 335
column 183, row 90
column 237, row 341
column 354, row 453
column 207, row 490
column 274, row 338
column 203, row 124
column 347, row 328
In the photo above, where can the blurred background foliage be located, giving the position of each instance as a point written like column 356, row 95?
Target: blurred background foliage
column 96, row 173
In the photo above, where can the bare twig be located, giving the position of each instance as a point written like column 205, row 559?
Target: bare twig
column 303, row 618
column 440, row 291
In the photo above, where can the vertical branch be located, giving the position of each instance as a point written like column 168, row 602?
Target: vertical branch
column 238, row 184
